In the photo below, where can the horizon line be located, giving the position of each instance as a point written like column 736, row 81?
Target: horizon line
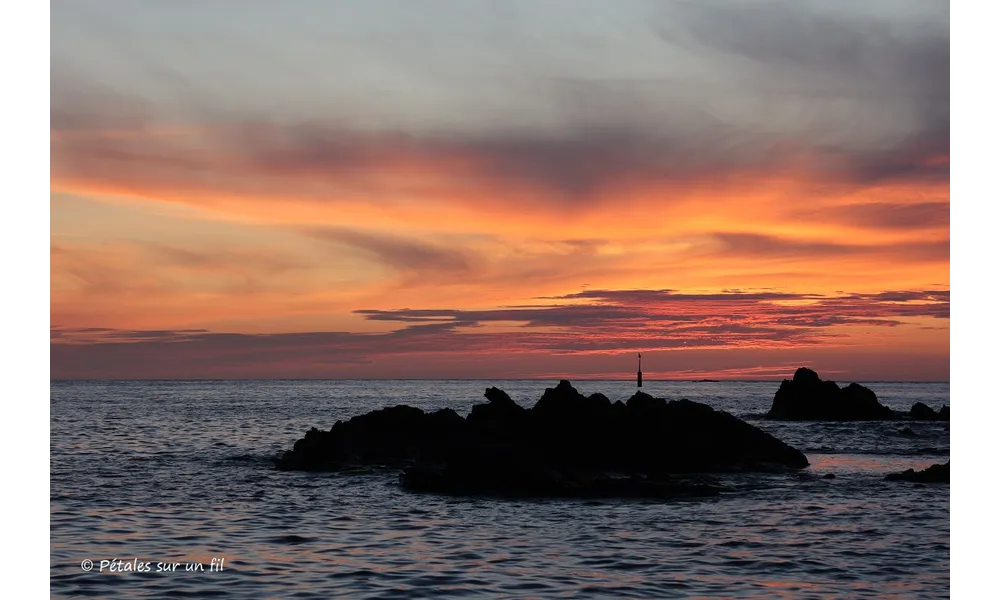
column 645, row 380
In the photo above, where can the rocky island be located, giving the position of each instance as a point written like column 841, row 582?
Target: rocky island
column 922, row 412
column 932, row 474
column 566, row 445
column 806, row 397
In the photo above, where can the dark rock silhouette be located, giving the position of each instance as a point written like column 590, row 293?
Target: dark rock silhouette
column 382, row 437
column 807, row 398
column 932, row 474
column 568, row 444
column 922, row 412
column 500, row 414
column 514, row 479
column 907, row 432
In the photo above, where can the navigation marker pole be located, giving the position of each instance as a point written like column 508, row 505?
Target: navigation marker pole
column 638, row 375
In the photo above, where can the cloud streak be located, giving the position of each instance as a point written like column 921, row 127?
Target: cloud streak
column 401, row 253
column 887, row 215
column 611, row 322
column 749, row 245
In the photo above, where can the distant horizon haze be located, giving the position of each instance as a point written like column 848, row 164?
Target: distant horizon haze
column 542, row 379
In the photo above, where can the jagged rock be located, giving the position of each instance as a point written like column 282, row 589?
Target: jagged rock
column 566, row 407
column 644, row 403
column 932, row 474
column 807, row 398
column 390, row 436
column 499, row 414
column 922, row 412
column 567, row 444
column 906, row 432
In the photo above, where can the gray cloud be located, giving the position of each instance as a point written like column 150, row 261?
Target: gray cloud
column 889, row 215
column 405, row 254
column 568, row 105
column 766, row 246
column 656, row 296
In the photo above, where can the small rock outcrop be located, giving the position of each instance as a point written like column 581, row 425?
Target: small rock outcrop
column 568, row 444
column 932, row 474
column 808, row 398
column 922, row 412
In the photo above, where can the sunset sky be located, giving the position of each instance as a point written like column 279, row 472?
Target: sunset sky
column 500, row 189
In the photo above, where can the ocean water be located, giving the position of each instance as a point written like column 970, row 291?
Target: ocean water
column 179, row 473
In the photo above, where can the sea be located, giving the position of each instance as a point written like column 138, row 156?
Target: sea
column 167, row 489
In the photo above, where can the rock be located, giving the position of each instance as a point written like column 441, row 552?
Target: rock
column 568, row 444
column 501, row 413
column 807, row 398
column 506, row 480
column 566, row 406
column 642, row 402
column 390, row 436
column 922, row 412
column 906, row 432
column 829, row 476
column 932, row 474
column 806, row 376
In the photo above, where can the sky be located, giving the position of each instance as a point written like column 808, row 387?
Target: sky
column 499, row 190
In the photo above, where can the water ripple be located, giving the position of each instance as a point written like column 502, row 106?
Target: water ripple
column 181, row 471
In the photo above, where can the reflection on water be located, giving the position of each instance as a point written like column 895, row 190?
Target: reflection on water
column 181, row 472
column 872, row 464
